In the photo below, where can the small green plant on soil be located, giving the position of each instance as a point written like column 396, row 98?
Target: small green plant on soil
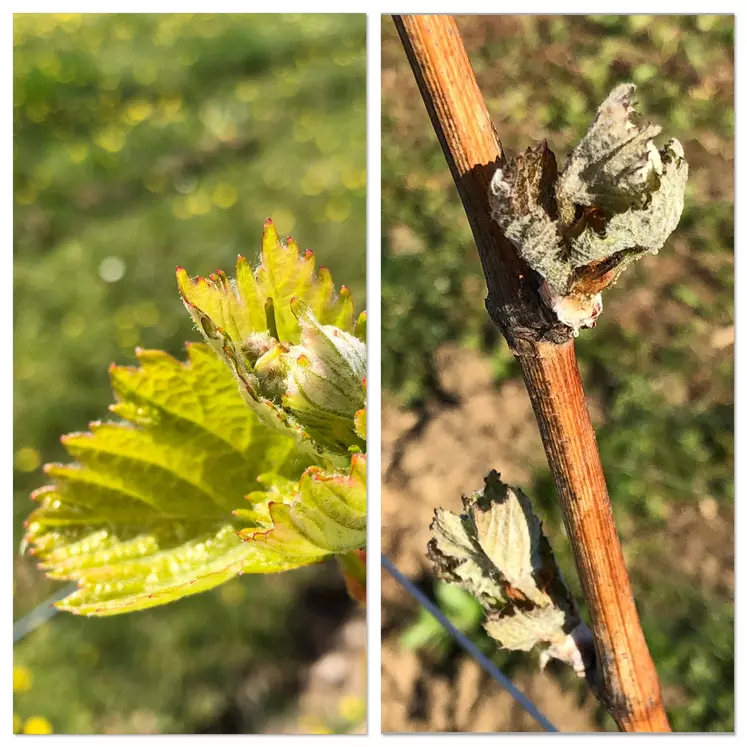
column 250, row 457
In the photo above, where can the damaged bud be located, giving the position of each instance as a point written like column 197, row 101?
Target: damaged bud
column 617, row 198
column 497, row 552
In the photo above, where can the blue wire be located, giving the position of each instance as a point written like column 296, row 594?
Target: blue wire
column 40, row 614
column 467, row 645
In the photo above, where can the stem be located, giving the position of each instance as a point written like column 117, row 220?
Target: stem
column 625, row 679
column 353, row 566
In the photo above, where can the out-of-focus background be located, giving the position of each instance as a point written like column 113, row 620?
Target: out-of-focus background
column 658, row 370
column 143, row 142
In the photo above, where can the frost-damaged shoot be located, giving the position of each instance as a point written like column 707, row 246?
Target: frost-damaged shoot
column 497, row 552
column 250, row 457
column 618, row 198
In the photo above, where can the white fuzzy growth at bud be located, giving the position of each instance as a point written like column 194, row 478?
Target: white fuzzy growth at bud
column 576, row 313
column 576, row 650
column 257, row 345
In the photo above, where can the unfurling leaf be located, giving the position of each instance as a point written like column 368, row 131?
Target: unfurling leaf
column 511, row 536
column 300, row 363
column 496, row 550
column 239, row 307
column 324, row 514
column 618, row 198
column 457, row 557
column 326, row 381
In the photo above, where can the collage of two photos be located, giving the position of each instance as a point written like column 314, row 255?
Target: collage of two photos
column 554, row 337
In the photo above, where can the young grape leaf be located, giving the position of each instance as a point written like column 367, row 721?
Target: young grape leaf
column 148, row 513
column 323, row 514
column 241, row 308
column 291, row 343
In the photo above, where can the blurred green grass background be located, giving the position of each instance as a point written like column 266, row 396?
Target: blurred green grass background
column 659, row 365
column 142, row 142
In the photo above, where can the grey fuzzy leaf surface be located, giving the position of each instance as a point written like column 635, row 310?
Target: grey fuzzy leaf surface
column 618, row 197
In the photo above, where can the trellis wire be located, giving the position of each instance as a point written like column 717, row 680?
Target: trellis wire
column 40, row 614
column 470, row 647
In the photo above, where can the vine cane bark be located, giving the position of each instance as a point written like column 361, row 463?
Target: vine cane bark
column 624, row 677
